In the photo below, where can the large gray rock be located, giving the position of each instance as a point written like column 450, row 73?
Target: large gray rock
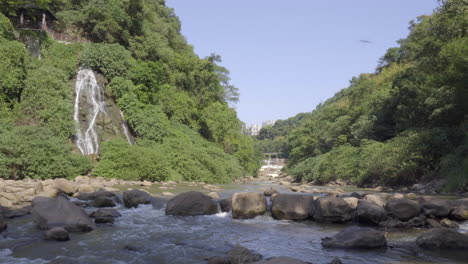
column 356, row 237
column 105, row 212
column 282, row 260
column 57, row 234
column 403, row 209
column 86, row 196
column 242, row 255
column 191, row 203
column 370, row 213
column 293, row 206
column 432, row 206
column 48, row 213
column 134, row 198
column 442, row 238
column 332, row 209
column 102, row 201
column 248, row 205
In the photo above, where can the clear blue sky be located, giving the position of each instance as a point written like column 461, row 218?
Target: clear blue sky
column 287, row 56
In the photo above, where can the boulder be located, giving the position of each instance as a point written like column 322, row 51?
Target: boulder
column 225, row 204
column 102, row 201
column 270, row 192
column 66, row 186
column 242, row 255
column 57, row 234
column 377, row 199
column 86, row 196
column 459, row 213
column 356, row 237
column 104, row 220
column 370, row 213
column 158, row 202
column 336, row 261
column 48, row 213
column 332, row 209
column 293, row 206
column 282, row 260
column 442, row 238
column 403, row 209
column 134, row 198
column 248, row 205
column 190, row 204
column 432, row 206
column 217, row 260
column 352, row 201
column 105, row 212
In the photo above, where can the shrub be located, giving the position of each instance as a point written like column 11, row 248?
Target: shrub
column 109, row 59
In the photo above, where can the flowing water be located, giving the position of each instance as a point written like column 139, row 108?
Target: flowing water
column 90, row 108
column 157, row 238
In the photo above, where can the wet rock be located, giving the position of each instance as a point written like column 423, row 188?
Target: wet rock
column 459, row 213
column 432, row 223
column 14, row 212
column 57, row 234
column 86, row 196
column 105, row 212
column 377, row 199
column 293, row 207
column 66, row 186
column 3, row 224
column 356, row 237
column 282, row 260
column 225, row 204
column 370, row 213
column 242, row 255
column 217, row 260
column 442, row 238
column 104, row 220
column 190, row 204
column 134, row 198
column 270, row 192
column 102, row 201
column 392, row 223
column 332, row 209
column 436, row 207
column 447, row 223
column 59, row 212
column 158, row 202
column 131, row 248
column 403, row 209
column 248, row 205
column 336, row 261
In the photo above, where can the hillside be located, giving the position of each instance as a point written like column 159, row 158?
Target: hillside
column 175, row 103
column 403, row 124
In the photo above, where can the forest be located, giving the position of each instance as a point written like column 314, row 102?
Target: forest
column 177, row 104
column 403, row 124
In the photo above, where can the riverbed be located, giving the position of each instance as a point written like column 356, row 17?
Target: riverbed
column 146, row 235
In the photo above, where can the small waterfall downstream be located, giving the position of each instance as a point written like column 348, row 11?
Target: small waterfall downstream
column 93, row 116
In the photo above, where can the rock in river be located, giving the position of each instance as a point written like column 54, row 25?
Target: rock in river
column 242, row 255
column 370, row 213
column 135, row 197
column 356, row 237
column 59, row 212
column 282, row 260
column 403, row 209
column 442, row 238
column 191, row 203
column 293, row 206
column 57, row 233
column 248, row 205
column 332, row 209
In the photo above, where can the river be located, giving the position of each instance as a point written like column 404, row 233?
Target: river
column 146, row 235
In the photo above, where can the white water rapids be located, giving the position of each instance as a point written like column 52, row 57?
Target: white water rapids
column 89, row 104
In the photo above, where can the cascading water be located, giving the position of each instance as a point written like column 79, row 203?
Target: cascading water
column 96, row 119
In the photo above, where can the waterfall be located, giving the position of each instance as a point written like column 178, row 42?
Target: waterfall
column 89, row 94
column 96, row 118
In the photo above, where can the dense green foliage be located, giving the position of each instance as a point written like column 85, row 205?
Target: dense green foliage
column 176, row 104
column 405, row 123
